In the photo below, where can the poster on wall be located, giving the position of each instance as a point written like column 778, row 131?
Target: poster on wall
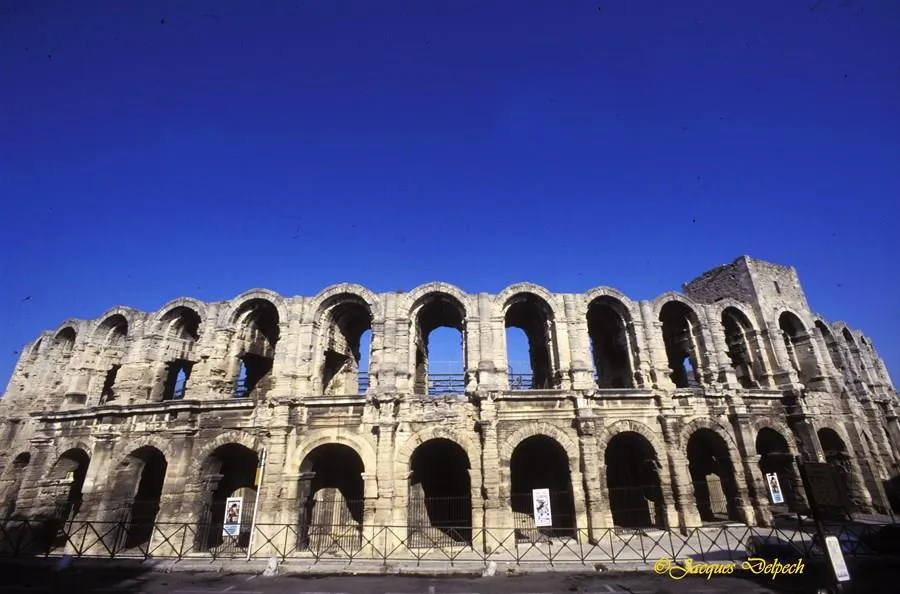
column 774, row 488
column 542, row 515
column 233, row 508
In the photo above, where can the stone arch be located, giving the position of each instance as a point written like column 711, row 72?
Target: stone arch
column 165, row 446
column 838, row 428
column 775, row 454
column 628, row 425
column 657, row 304
column 777, row 426
column 200, row 455
column 828, row 339
column 634, row 476
column 714, row 467
column 364, row 449
column 66, row 337
column 65, row 445
column 341, row 322
column 535, row 428
column 504, row 297
column 535, row 314
column 799, row 343
column 317, row 304
column 684, row 332
column 714, row 426
column 229, row 316
column 716, row 309
column 433, row 306
column 200, row 308
column 743, row 352
column 108, row 320
column 628, row 306
column 135, row 487
column 416, row 297
column 406, row 449
column 615, row 342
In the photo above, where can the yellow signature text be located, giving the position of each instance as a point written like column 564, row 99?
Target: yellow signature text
column 755, row 565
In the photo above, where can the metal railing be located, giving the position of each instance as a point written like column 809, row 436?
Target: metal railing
column 362, row 380
column 362, row 543
column 240, row 388
column 520, row 381
column 446, row 383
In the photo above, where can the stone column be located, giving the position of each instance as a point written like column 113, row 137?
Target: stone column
column 582, row 371
column 563, row 360
column 390, row 508
column 495, row 512
column 682, row 489
column 723, row 368
column 599, row 516
column 755, row 481
column 660, row 374
column 785, row 373
column 177, row 520
column 490, row 376
column 762, row 367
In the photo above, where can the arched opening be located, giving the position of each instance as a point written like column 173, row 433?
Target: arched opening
column 540, row 462
column 331, row 495
column 137, row 487
column 181, row 331
column 345, row 357
column 612, row 344
column 775, row 458
column 798, row 344
column 440, row 495
column 633, row 481
column 228, row 479
column 534, row 317
column 834, row 352
column 64, row 341
column 440, row 367
column 67, row 474
column 12, row 482
column 112, row 334
column 257, row 335
column 838, row 457
column 684, row 343
column 742, row 355
column 712, row 475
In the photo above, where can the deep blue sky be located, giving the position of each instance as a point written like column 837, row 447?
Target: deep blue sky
column 159, row 149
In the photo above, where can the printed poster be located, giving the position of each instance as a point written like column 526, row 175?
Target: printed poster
column 233, row 508
column 774, row 488
column 542, row 514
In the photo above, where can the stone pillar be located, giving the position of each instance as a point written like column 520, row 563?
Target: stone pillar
column 582, row 371
column 562, row 368
column 762, row 367
column 177, row 520
column 390, row 508
column 597, row 509
column 785, row 375
column 722, row 366
column 755, row 481
column 660, row 374
column 682, row 489
column 472, row 354
column 496, row 516
column 490, row 375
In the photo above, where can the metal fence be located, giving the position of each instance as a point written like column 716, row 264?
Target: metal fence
column 388, row 544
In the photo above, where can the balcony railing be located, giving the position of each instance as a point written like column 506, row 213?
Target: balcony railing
column 363, row 382
column 520, row 381
column 446, row 383
column 240, row 388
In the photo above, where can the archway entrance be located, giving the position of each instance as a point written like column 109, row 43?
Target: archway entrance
column 775, row 458
column 712, row 475
column 137, row 486
column 11, row 483
column 331, row 499
column 540, row 462
column 838, row 457
column 69, row 473
column 633, row 481
column 228, row 473
column 440, row 495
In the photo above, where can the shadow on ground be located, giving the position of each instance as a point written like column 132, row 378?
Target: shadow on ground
column 76, row 577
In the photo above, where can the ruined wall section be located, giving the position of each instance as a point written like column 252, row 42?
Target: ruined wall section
column 732, row 281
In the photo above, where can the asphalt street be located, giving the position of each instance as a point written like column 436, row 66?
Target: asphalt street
column 43, row 580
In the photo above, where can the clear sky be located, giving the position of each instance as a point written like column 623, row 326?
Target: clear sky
column 150, row 150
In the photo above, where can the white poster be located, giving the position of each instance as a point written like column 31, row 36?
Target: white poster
column 542, row 514
column 836, row 556
column 774, row 488
column 233, row 508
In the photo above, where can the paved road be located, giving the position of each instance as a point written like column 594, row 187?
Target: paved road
column 42, row 580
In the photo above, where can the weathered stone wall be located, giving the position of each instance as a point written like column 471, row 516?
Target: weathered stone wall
column 62, row 405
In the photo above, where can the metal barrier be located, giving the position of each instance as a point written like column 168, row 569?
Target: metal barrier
column 367, row 544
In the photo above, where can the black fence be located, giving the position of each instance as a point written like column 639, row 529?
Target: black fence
column 446, row 383
column 384, row 544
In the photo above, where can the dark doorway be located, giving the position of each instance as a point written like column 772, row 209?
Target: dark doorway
column 331, row 499
column 440, row 495
column 137, row 486
column 611, row 344
column 540, row 462
column 69, row 472
column 775, row 458
column 230, row 471
column 633, row 481
column 838, row 457
column 712, row 474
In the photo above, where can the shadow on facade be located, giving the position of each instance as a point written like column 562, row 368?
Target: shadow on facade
column 632, row 478
column 712, row 474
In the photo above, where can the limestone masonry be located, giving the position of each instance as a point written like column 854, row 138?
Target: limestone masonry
column 668, row 413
